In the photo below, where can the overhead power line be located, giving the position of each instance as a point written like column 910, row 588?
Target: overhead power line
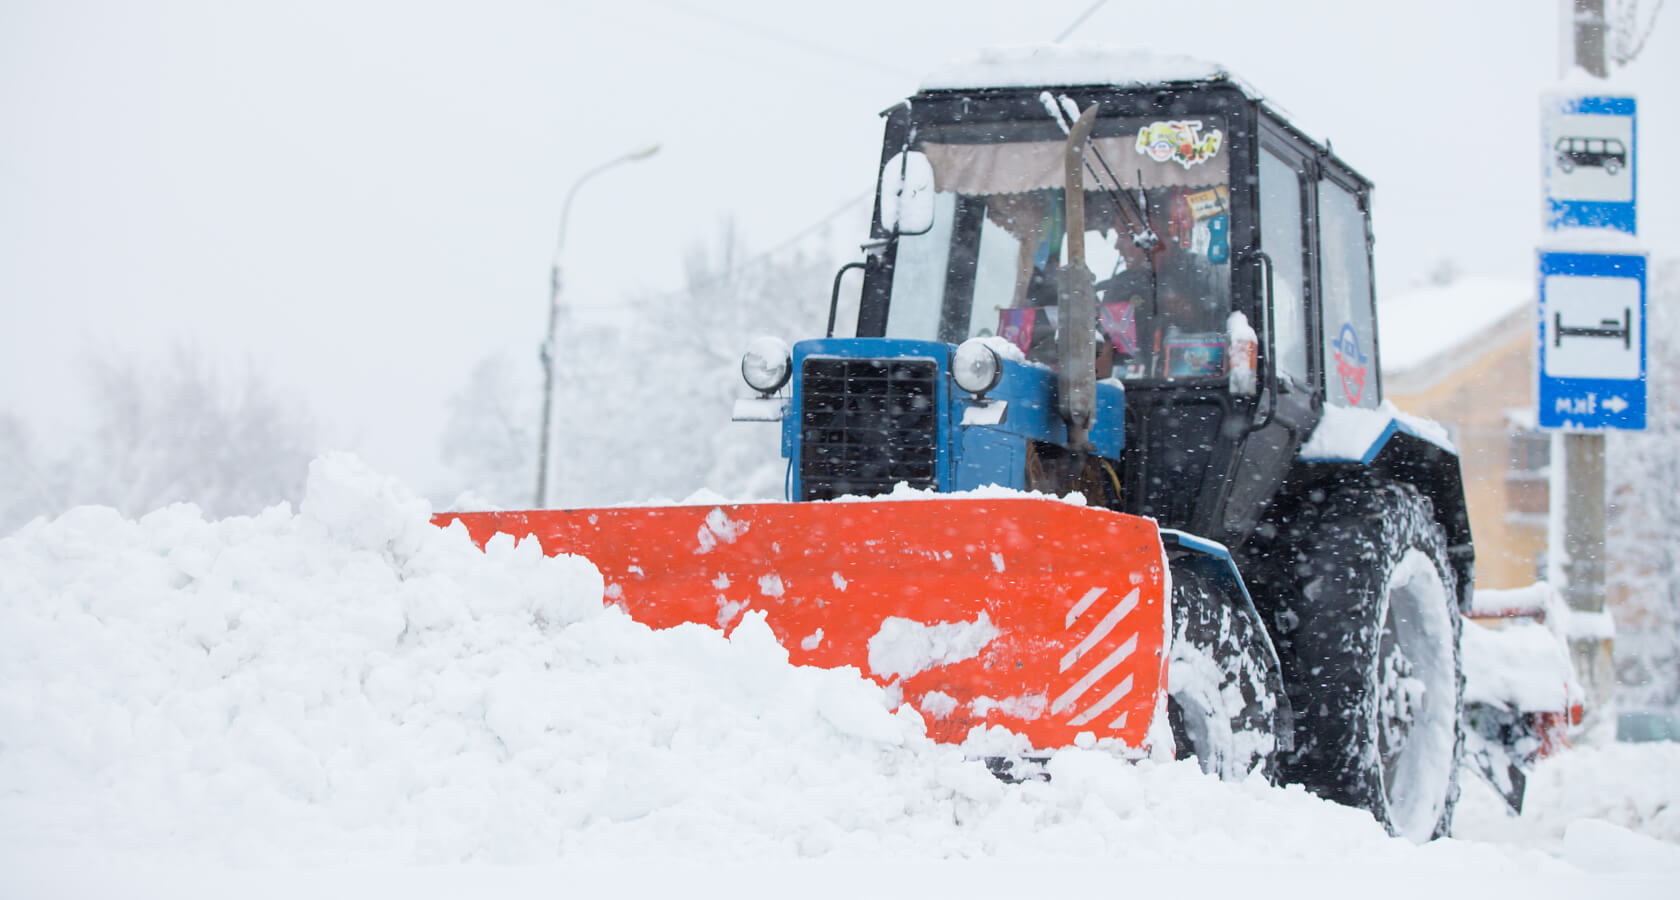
column 800, row 43
column 1079, row 21
column 778, row 37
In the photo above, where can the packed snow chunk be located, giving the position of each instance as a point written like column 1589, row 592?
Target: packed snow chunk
column 1027, row 707
column 858, row 715
column 1243, row 377
column 364, row 509
column 938, row 704
column 903, row 647
column 1354, row 434
column 1591, row 626
column 1005, row 348
column 1521, row 666
column 1538, row 600
column 718, row 528
column 754, row 637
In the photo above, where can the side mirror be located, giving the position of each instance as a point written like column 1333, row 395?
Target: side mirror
column 907, row 194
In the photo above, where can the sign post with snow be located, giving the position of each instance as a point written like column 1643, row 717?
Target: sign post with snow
column 1592, row 341
column 1590, row 368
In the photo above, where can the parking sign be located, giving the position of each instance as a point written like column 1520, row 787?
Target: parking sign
column 1592, row 341
column 1591, row 173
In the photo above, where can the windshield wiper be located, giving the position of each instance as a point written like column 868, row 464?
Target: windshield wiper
column 1143, row 237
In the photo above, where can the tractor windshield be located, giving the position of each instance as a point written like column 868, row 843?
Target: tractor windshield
column 991, row 262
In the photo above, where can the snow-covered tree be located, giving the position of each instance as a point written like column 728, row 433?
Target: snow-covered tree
column 643, row 393
column 1644, row 519
column 727, row 302
column 490, row 439
column 32, row 485
column 160, row 433
column 1628, row 29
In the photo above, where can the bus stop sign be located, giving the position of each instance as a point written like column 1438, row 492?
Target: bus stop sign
column 1591, row 173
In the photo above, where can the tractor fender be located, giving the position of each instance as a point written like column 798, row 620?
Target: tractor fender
column 1397, row 447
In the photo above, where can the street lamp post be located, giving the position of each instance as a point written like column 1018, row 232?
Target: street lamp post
column 547, row 350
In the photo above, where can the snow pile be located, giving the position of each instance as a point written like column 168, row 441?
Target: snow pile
column 1518, row 656
column 1631, row 788
column 1521, row 666
column 350, row 685
column 284, row 680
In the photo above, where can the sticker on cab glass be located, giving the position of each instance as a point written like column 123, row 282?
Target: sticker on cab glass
column 1180, row 141
column 1350, row 363
column 1219, row 240
column 1209, row 203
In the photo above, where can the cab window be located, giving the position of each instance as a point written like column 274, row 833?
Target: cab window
column 1281, row 237
column 1156, row 241
column 1350, row 359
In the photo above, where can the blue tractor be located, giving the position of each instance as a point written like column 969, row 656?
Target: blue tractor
column 1137, row 282
column 1104, row 460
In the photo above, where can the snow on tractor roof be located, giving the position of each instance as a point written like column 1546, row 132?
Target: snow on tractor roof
column 1039, row 65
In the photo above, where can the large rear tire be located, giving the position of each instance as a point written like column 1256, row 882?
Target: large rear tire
column 1367, row 627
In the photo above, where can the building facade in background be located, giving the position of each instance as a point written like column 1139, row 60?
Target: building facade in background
column 1463, row 355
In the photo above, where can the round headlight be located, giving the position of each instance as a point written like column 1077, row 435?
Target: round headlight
column 976, row 367
column 767, row 364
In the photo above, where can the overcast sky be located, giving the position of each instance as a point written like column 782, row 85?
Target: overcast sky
column 361, row 198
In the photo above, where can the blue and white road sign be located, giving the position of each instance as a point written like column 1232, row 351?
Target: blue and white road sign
column 1591, row 172
column 1592, row 341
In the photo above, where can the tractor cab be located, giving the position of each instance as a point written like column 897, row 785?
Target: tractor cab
column 1229, row 256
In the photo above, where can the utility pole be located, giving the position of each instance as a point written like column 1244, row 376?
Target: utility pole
column 1583, row 458
column 1580, row 401
column 1588, row 38
column 550, row 340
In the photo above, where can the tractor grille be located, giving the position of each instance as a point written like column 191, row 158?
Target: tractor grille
column 867, row 424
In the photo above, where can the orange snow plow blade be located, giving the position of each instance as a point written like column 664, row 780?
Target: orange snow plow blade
column 1043, row 617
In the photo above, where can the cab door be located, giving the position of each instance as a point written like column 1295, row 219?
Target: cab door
column 1285, row 178
column 1348, row 321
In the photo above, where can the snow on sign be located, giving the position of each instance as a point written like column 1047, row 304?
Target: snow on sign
column 1590, row 172
column 1592, row 341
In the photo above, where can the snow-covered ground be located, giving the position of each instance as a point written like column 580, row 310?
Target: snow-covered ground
column 347, row 701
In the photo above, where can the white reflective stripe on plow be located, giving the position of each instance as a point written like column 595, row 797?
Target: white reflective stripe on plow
column 1095, row 675
column 1120, row 610
column 1106, row 702
column 1083, row 604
